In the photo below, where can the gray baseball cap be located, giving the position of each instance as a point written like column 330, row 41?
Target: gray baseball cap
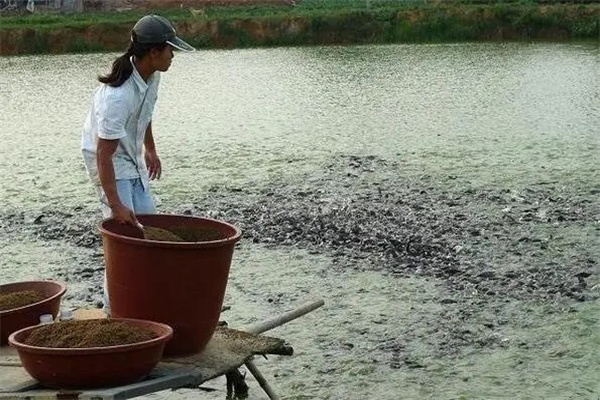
column 156, row 29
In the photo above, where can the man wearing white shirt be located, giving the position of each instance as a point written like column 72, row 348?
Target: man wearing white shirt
column 117, row 141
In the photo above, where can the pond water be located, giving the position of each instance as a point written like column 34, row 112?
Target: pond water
column 501, row 116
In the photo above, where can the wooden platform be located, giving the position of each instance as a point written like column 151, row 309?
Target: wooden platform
column 228, row 350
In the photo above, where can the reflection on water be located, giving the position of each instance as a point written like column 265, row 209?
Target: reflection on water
column 481, row 111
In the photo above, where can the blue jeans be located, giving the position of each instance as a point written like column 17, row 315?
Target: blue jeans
column 134, row 196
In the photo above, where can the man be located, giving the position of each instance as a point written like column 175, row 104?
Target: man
column 117, row 142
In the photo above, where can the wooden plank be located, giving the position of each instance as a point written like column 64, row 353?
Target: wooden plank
column 227, row 350
column 42, row 394
column 9, row 356
column 151, row 385
column 88, row 313
column 15, row 379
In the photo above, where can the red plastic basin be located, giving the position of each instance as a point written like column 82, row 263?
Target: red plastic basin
column 181, row 284
column 93, row 367
column 18, row 318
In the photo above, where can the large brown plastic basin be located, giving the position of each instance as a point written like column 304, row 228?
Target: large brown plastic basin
column 17, row 318
column 181, row 284
column 92, row 367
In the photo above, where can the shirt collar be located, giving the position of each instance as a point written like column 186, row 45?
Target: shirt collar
column 137, row 78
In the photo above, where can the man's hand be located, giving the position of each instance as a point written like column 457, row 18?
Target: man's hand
column 124, row 215
column 153, row 164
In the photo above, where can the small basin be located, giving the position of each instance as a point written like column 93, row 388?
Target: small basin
column 17, row 318
column 92, row 367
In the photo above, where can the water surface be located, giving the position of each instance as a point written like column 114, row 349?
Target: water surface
column 451, row 116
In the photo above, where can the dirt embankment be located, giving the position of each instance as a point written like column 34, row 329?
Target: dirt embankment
column 115, row 37
column 432, row 25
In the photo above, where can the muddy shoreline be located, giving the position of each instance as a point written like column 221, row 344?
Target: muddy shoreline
column 486, row 247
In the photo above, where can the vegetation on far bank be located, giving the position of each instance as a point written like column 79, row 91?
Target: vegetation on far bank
column 306, row 8
column 326, row 22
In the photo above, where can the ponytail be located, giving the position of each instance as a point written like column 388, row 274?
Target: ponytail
column 122, row 67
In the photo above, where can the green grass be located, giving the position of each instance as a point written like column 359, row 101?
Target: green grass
column 308, row 8
column 339, row 21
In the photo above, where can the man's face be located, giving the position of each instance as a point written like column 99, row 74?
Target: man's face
column 162, row 58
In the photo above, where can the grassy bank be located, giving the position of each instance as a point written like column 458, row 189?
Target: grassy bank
column 311, row 22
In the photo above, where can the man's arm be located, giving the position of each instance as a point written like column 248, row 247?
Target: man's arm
column 152, row 160
column 106, row 173
column 149, row 139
